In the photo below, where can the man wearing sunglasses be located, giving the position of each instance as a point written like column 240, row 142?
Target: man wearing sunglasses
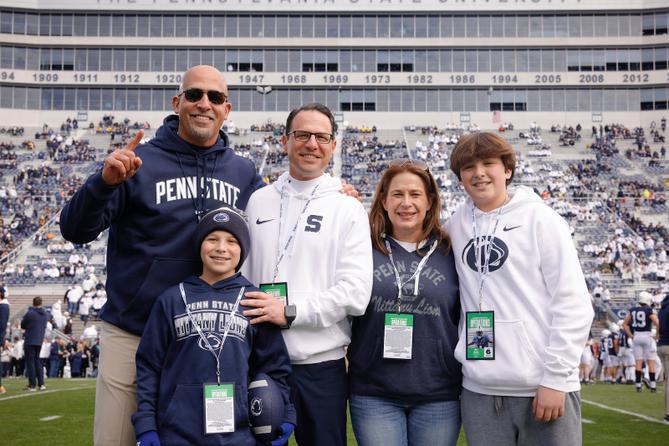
column 310, row 247
column 151, row 197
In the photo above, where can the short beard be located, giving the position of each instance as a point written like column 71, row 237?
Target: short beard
column 201, row 134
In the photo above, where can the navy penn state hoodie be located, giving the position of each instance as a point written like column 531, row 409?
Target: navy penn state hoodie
column 153, row 215
column 173, row 363
column 34, row 323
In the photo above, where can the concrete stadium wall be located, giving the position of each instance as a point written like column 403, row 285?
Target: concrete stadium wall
column 383, row 120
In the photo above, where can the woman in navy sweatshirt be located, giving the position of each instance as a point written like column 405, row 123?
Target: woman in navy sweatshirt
column 404, row 380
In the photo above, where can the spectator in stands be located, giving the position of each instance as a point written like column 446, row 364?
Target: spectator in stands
column 64, row 354
column 76, row 360
column 89, row 282
column 34, row 323
column 73, row 296
column 84, row 308
column 5, row 359
column 95, row 354
column 44, row 353
column 148, row 222
column 4, row 319
column 90, row 333
column 57, row 315
column 54, row 358
column 400, row 395
column 99, row 299
column 17, row 357
column 67, row 329
column 541, row 290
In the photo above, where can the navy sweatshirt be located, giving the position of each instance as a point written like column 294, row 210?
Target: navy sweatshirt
column 432, row 373
column 34, row 323
column 173, row 363
column 663, row 318
column 4, row 318
column 152, row 217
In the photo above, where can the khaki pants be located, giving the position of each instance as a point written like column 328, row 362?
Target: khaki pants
column 663, row 351
column 115, row 392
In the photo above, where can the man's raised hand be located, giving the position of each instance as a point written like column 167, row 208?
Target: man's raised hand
column 122, row 164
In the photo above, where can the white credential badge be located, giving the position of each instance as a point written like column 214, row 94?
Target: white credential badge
column 219, row 408
column 398, row 336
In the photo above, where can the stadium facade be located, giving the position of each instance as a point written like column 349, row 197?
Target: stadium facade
column 384, row 62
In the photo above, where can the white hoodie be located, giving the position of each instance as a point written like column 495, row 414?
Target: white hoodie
column 328, row 266
column 537, row 291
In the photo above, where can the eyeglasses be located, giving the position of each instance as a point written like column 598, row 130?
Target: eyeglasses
column 195, row 94
column 401, row 162
column 304, row 136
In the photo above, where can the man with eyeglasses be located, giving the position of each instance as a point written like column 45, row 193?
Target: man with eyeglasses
column 311, row 254
column 151, row 197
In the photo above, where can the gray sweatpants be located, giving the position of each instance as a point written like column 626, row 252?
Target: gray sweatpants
column 506, row 421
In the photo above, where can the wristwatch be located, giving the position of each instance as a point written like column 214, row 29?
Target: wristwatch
column 289, row 311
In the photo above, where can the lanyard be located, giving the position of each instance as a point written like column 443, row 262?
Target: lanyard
column 415, row 276
column 217, row 356
column 483, row 264
column 282, row 253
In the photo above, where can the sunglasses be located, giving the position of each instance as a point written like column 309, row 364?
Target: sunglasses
column 304, row 136
column 195, row 94
column 401, row 162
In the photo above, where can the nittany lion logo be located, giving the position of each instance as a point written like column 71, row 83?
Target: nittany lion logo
column 256, row 406
column 408, row 290
column 215, row 340
column 498, row 253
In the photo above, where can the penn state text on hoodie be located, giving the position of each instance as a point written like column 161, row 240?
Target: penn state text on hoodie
column 173, row 363
column 152, row 217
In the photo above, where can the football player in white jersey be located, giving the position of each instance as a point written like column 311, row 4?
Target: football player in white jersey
column 625, row 354
column 638, row 324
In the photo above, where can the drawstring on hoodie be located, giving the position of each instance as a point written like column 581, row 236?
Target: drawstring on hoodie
column 200, row 199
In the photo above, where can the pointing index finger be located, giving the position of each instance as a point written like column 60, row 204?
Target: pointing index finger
column 132, row 145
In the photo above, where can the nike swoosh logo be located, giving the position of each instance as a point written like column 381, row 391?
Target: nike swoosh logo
column 259, row 221
column 510, row 228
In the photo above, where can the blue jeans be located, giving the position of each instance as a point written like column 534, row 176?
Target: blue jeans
column 382, row 421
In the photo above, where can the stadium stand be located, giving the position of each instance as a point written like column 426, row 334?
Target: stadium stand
column 604, row 183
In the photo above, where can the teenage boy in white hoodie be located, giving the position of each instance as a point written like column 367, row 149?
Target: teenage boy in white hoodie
column 312, row 243
column 521, row 282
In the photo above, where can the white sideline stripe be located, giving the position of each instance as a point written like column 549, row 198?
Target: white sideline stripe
column 42, row 392
column 52, row 417
column 625, row 412
column 586, row 421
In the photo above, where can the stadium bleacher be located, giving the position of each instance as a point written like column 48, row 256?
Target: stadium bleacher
column 604, row 184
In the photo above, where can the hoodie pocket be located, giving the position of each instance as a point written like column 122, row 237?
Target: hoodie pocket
column 516, row 365
column 163, row 273
column 184, row 416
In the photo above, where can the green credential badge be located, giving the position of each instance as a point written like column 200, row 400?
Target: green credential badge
column 480, row 335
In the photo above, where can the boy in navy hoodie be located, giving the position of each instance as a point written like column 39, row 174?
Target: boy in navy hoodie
column 198, row 351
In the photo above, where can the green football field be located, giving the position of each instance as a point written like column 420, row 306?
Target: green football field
column 63, row 415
